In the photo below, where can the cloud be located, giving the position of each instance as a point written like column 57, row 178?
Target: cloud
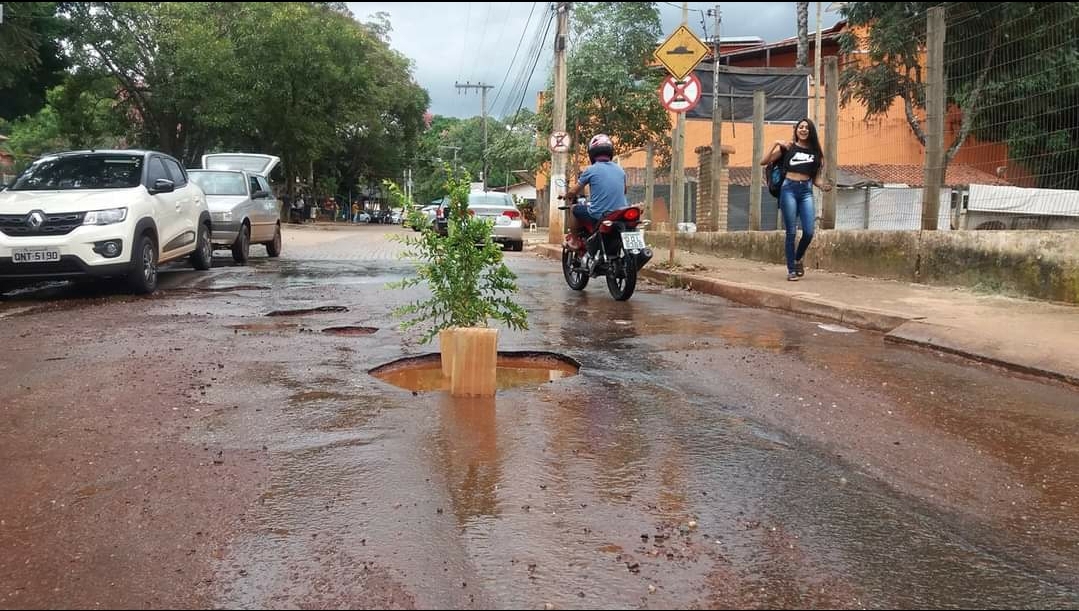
column 475, row 42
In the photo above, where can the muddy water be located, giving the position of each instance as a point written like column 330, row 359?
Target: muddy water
column 706, row 455
column 425, row 373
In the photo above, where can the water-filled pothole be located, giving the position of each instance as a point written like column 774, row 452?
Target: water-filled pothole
column 303, row 311
column 515, row 369
column 350, row 331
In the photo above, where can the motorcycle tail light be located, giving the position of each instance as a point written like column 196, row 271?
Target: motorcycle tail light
column 631, row 214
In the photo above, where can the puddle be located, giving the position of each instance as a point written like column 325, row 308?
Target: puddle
column 303, row 311
column 350, row 331
column 515, row 369
column 836, row 328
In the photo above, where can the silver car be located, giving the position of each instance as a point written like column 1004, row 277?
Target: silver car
column 508, row 228
column 242, row 205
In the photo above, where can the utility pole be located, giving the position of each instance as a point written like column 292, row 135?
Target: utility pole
column 558, row 158
column 483, row 108
column 717, row 131
column 678, row 163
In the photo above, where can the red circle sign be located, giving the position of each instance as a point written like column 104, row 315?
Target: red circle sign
column 680, row 95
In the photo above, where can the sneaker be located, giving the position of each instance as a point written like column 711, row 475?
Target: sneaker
column 799, row 269
column 792, row 276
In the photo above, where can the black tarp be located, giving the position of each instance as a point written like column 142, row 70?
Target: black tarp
column 786, row 93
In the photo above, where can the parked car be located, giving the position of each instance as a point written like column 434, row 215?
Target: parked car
column 508, row 224
column 241, row 202
column 103, row 213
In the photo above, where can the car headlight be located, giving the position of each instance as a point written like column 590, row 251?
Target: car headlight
column 222, row 216
column 105, row 217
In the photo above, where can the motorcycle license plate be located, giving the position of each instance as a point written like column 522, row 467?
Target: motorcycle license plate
column 633, row 240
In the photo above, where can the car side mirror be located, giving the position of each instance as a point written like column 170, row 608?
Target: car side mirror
column 260, row 195
column 163, row 185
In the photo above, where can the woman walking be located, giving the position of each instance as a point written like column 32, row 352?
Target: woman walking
column 803, row 163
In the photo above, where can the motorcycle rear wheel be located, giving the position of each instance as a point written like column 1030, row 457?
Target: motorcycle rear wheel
column 621, row 288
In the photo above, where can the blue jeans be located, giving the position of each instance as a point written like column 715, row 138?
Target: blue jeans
column 796, row 204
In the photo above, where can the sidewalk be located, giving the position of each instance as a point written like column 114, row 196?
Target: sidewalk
column 1029, row 336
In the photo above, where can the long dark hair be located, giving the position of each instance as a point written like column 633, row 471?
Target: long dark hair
column 814, row 141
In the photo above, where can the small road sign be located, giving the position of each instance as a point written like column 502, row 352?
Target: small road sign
column 680, row 95
column 559, row 142
column 681, row 53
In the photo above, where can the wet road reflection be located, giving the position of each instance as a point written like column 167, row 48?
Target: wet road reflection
column 705, row 455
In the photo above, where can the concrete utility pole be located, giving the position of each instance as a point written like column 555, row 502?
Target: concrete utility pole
column 717, row 131
column 558, row 159
column 483, row 109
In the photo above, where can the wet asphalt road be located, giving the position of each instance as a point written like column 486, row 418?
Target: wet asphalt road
column 187, row 449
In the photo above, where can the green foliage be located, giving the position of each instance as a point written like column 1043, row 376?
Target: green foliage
column 611, row 85
column 464, row 270
column 302, row 80
column 31, row 60
column 1012, row 67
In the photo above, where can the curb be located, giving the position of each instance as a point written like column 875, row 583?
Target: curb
column 897, row 328
column 759, row 296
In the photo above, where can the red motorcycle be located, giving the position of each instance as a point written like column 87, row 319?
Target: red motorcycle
column 613, row 247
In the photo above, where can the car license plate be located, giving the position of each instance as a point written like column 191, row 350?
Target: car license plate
column 36, row 255
column 633, row 240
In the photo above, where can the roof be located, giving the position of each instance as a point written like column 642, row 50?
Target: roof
column 880, row 174
column 830, row 34
column 958, row 175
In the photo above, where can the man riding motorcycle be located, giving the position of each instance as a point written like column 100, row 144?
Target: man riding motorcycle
column 607, row 190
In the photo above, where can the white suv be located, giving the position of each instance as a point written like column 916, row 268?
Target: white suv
column 102, row 213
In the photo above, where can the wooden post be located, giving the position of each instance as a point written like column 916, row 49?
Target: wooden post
column 649, row 180
column 934, row 118
column 831, row 138
column 757, row 171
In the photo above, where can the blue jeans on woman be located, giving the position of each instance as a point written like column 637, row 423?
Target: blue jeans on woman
column 796, row 203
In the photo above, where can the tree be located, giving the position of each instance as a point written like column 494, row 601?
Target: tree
column 611, row 81
column 1012, row 69
column 803, row 34
column 174, row 65
column 31, row 60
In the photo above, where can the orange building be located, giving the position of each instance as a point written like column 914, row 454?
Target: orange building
column 885, row 140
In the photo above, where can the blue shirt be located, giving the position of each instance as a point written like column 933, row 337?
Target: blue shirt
column 606, row 181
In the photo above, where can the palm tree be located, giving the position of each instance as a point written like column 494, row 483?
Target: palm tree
column 803, row 34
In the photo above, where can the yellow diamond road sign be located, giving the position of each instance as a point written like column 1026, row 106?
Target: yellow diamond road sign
column 681, row 52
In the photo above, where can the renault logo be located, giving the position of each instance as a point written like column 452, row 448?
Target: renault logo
column 35, row 220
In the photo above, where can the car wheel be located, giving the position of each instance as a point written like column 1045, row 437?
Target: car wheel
column 203, row 257
column 517, row 246
column 143, row 276
column 242, row 246
column 273, row 247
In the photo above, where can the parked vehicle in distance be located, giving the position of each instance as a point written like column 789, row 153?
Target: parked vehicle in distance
column 241, row 202
column 507, row 222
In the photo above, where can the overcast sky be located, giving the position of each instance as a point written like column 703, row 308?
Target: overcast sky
column 475, row 42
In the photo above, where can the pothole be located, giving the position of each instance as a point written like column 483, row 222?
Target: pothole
column 350, row 331
column 515, row 369
column 304, row 311
column 264, row 326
